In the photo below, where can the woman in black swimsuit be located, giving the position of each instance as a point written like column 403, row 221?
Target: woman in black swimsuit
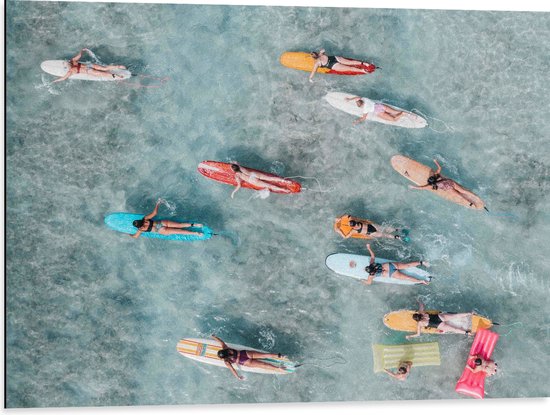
column 164, row 227
column 339, row 63
column 443, row 322
column 249, row 358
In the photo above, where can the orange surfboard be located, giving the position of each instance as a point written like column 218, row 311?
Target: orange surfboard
column 342, row 223
column 418, row 173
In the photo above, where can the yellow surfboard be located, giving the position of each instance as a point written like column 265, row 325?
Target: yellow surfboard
column 418, row 173
column 402, row 320
column 420, row 354
column 301, row 61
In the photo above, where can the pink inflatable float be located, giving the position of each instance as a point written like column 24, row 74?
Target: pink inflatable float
column 470, row 383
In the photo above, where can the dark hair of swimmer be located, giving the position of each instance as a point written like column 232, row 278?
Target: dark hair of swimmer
column 417, row 317
column 225, row 353
column 235, row 168
column 402, row 370
column 478, row 362
column 314, row 55
column 352, row 223
column 432, row 179
column 359, row 102
column 138, row 223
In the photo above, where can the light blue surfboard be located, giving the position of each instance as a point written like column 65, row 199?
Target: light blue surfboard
column 122, row 222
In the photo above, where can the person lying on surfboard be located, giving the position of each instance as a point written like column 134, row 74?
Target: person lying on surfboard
column 482, row 365
column 437, row 181
column 256, row 179
column 391, row 270
column 338, row 63
column 370, row 229
column 370, row 107
column 93, row 69
column 164, row 227
column 402, row 372
column 443, row 322
column 250, row 358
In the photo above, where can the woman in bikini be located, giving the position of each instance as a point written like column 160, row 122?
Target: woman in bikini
column 164, row 227
column 369, row 229
column 402, row 372
column 371, row 108
column 391, row 270
column 339, row 63
column 250, row 358
column 257, row 179
column 437, row 181
column 77, row 67
column 442, row 322
column 482, row 365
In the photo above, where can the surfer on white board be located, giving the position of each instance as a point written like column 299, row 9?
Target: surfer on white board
column 250, row 358
column 93, row 69
column 391, row 270
column 339, row 64
column 380, row 110
column 257, row 179
column 443, row 322
column 437, row 181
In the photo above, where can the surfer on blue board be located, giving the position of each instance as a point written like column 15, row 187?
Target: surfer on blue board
column 76, row 67
column 164, row 226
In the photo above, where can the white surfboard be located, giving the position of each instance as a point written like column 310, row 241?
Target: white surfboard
column 60, row 68
column 354, row 266
column 206, row 351
column 408, row 120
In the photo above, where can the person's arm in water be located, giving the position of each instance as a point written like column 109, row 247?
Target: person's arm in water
column 69, row 73
column 136, row 235
column 368, row 281
column 438, row 171
column 372, row 256
column 410, row 336
column 224, row 346
column 238, row 180
column 232, row 369
column 153, row 213
column 398, row 376
column 361, row 119
column 315, row 67
column 420, row 306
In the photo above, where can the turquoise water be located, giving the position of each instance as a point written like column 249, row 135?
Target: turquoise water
column 93, row 316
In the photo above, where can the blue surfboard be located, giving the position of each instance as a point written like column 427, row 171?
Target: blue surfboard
column 122, row 222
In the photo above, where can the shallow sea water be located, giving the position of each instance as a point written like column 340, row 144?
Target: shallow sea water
column 93, row 317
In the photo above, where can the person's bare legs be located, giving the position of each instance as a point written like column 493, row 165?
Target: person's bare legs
column 447, row 328
column 102, row 74
column 450, row 316
column 400, row 276
column 107, row 67
column 382, row 235
column 345, row 68
column 464, row 194
column 390, row 114
column 171, row 224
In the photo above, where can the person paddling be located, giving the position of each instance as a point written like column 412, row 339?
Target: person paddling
column 76, row 67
